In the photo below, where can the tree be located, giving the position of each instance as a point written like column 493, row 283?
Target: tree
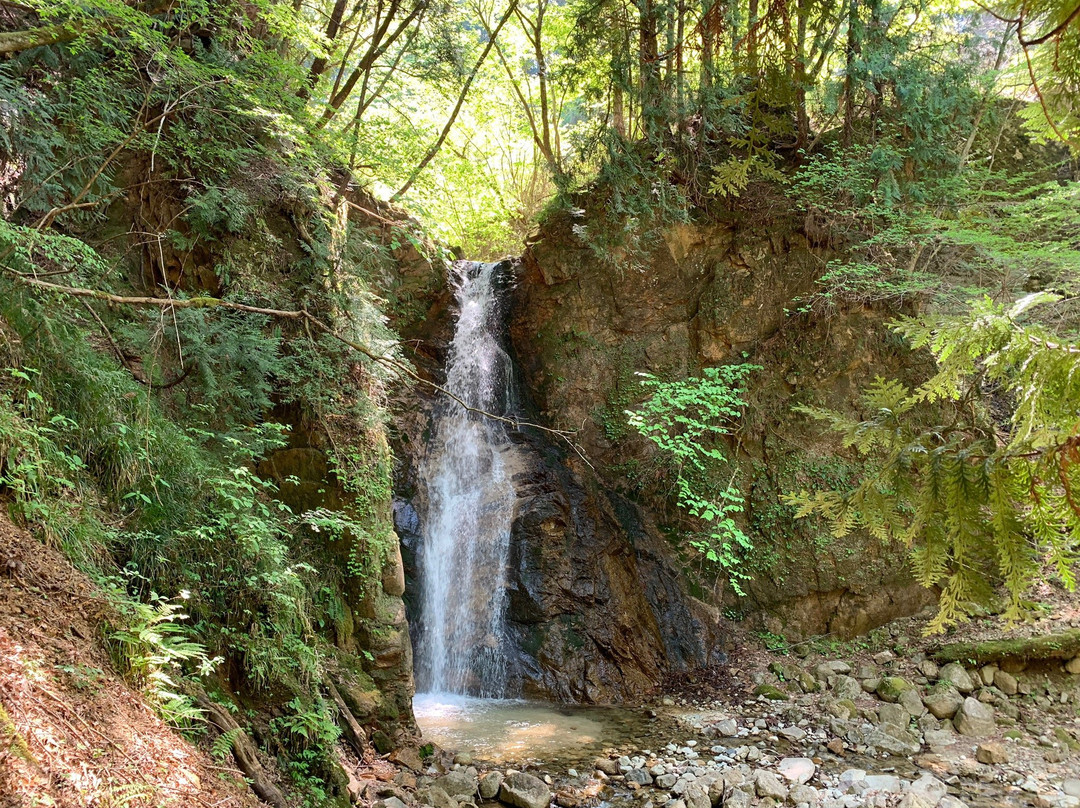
column 989, row 489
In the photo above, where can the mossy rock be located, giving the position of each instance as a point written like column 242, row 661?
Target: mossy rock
column 382, row 742
column 770, row 692
column 1065, row 738
column 890, row 688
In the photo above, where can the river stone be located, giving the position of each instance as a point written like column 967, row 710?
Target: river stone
column 768, row 784
column 796, row 770
column 639, row 776
column 892, row 740
column 607, row 766
column 914, row 801
column 852, row 780
column 929, row 788
column 890, row 688
column 889, row 783
column 490, row 784
column 793, row 734
column 954, row 672
column 438, row 798
column 894, row 715
column 737, row 799
column 697, row 796
column 991, row 753
column 522, row 790
column 974, row 718
column 666, row 781
column 912, row 702
column 388, row 802
column 457, row 784
column 943, row 702
column 803, row 795
column 728, row 728
column 846, row 687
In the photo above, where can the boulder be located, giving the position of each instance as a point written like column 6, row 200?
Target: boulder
column 974, row 718
column 767, row 784
column 943, row 702
column 639, row 776
column 846, row 687
column 697, row 796
column 737, row 799
column 891, row 687
column 796, row 770
column 803, row 795
column 929, row 788
column 894, row 715
column 1073, row 665
column 929, row 669
column 1006, row 683
column 458, row 784
column 436, row 797
column 955, row 673
column 991, row 753
column 912, row 702
column 490, row 784
column 522, row 790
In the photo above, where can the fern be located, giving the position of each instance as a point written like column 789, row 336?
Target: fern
column 222, row 746
column 974, row 501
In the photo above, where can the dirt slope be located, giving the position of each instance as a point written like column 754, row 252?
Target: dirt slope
column 72, row 732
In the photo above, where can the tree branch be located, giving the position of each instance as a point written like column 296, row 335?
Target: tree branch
column 398, row 368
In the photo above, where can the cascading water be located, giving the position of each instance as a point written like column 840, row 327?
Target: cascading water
column 466, row 529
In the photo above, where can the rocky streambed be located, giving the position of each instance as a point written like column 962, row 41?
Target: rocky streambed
column 875, row 728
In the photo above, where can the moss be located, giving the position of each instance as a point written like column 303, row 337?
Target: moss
column 890, row 688
column 1063, row 645
column 770, row 692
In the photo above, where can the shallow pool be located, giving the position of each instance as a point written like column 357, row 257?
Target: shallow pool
column 513, row 730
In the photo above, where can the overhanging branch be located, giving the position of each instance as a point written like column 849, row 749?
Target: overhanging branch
column 205, row 302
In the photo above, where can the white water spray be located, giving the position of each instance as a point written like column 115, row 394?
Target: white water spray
column 466, row 530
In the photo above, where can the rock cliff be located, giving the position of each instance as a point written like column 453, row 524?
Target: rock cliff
column 704, row 294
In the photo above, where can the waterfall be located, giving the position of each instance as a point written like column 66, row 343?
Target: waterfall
column 470, row 502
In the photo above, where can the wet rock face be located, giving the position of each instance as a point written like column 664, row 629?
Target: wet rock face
column 596, row 608
column 706, row 295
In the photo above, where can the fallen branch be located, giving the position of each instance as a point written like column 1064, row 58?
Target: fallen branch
column 206, row 302
column 1064, row 645
column 245, row 752
column 351, row 729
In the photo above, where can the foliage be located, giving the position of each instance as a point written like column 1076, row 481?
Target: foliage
column 152, row 645
column 683, row 418
column 991, row 489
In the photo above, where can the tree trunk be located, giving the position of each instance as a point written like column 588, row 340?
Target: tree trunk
column 851, row 52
